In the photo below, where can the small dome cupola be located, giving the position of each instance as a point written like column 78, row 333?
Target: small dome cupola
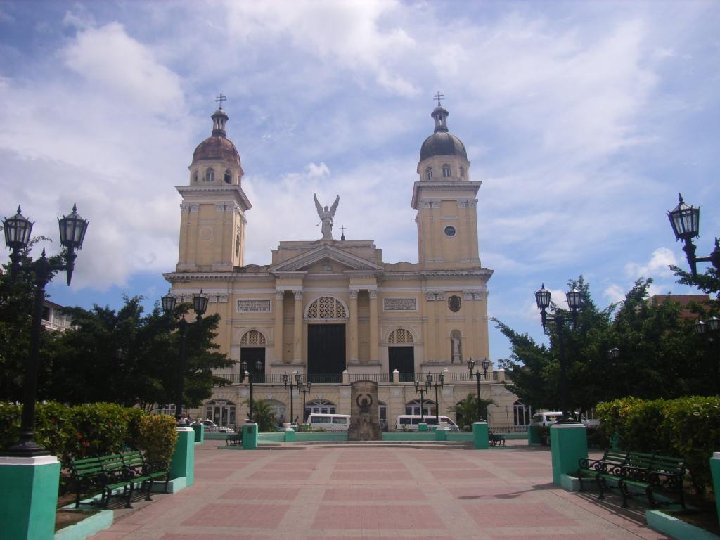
column 216, row 160
column 440, row 115
column 442, row 154
column 219, row 119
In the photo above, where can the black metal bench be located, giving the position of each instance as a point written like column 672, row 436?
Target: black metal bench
column 496, row 440
column 635, row 471
column 653, row 474
column 234, row 439
column 608, row 467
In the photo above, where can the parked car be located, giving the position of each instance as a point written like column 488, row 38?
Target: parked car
column 211, row 426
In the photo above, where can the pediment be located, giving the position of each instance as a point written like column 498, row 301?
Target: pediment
column 306, row 261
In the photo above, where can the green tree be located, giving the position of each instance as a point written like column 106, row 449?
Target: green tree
column 126, row 357
column 264, row 415
column 658, row 354
column 466, row 410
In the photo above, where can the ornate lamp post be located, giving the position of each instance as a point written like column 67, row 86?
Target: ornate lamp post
column 574, row 300
column 421, row 388
column 200, row 302
column 243, row 372
column 304, row 388
column 710, row 329
column 685, row 222
column 288, row 380
column 439, row 382
column 17, row 237
column 485, row 364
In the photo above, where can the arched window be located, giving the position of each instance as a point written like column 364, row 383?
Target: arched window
column 401, row 335
column 327, row 307
column 228, row 176
column 462, row 172
column 221, row 411
column 428, row 173
column 413, row 407
column 446, row 171
column 320, row 406
column 195, row 176
column 456, row 347
column 209, row 174
column 252, row 338
column 521, row 414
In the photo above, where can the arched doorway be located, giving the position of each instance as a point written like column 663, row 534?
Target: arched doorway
column 413, row 407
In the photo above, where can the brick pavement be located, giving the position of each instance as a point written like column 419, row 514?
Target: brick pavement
column 399, row 491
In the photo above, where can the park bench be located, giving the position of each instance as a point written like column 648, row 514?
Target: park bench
column 635, row 471
column 496, row 440
column 100, row 476
column 234, row 439
column 652, row 474
column 144, row 473
column 608, row 467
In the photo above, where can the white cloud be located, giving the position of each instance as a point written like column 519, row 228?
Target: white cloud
column 120, row 65
column 658, row 265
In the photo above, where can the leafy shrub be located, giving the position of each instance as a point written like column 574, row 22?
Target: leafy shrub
column 9, row 424
column 157, row 436
column 687, row 427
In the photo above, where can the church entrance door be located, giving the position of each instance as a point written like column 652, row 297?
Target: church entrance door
column 251, row 356
column 326, row 352
column 402, row 359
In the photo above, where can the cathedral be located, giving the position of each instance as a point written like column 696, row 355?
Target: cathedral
column 328, row 311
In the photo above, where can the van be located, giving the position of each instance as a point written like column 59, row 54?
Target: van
column 409, row 422
column 328, row 422
column 545, row 418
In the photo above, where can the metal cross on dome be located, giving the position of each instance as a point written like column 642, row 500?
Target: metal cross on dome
column 438, row 97
column 220, row 100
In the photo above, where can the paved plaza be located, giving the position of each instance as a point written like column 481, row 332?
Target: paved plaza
column 359, row 491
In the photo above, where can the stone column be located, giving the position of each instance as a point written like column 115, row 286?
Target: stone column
column 279, row 325
column 297, row 337
column 354, row 345
column 374, row 326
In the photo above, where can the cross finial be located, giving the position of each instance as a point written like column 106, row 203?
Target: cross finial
column 438, row 97
column 220, row 100
column 342, row 229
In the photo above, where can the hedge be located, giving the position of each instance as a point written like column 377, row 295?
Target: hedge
column 687, row 427
column 92, row 429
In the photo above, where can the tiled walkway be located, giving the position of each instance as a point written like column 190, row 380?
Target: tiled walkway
column 345, row 491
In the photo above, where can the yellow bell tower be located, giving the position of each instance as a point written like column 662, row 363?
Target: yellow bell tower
column 212, row 224
column 445, row 200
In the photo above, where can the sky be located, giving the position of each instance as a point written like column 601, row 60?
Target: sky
column 583, row 120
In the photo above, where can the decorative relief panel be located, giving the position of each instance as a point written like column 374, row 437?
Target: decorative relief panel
column 401, row 335
column 253, row 306
column 434, row 296
column 399, row 304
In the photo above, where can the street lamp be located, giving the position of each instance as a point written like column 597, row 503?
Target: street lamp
column 437, row 383
column 685, row 222
column 305, row 389
column 574, row 300
column 421, row 388
column 243, row 372
column 485, row 364
column 17, row 237
column 288, row 381
column 200, row 302
column 711, row 331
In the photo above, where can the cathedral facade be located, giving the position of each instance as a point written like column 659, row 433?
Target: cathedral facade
column 329, row 311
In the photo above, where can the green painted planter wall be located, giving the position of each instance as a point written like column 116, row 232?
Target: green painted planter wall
column 568, row 444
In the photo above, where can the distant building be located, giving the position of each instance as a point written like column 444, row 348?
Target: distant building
column 683, row 300
column 53, row 318
column 331, row 310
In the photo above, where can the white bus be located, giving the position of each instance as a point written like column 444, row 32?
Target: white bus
column 409, row 422
column 328, row 422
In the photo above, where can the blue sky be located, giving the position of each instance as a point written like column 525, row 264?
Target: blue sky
column 583, row 120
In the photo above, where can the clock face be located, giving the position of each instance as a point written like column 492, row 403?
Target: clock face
column 450, row 230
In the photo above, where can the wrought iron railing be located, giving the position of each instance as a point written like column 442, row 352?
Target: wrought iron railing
column 330, row 378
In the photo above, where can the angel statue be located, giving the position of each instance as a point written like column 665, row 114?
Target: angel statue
column 326, row 216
